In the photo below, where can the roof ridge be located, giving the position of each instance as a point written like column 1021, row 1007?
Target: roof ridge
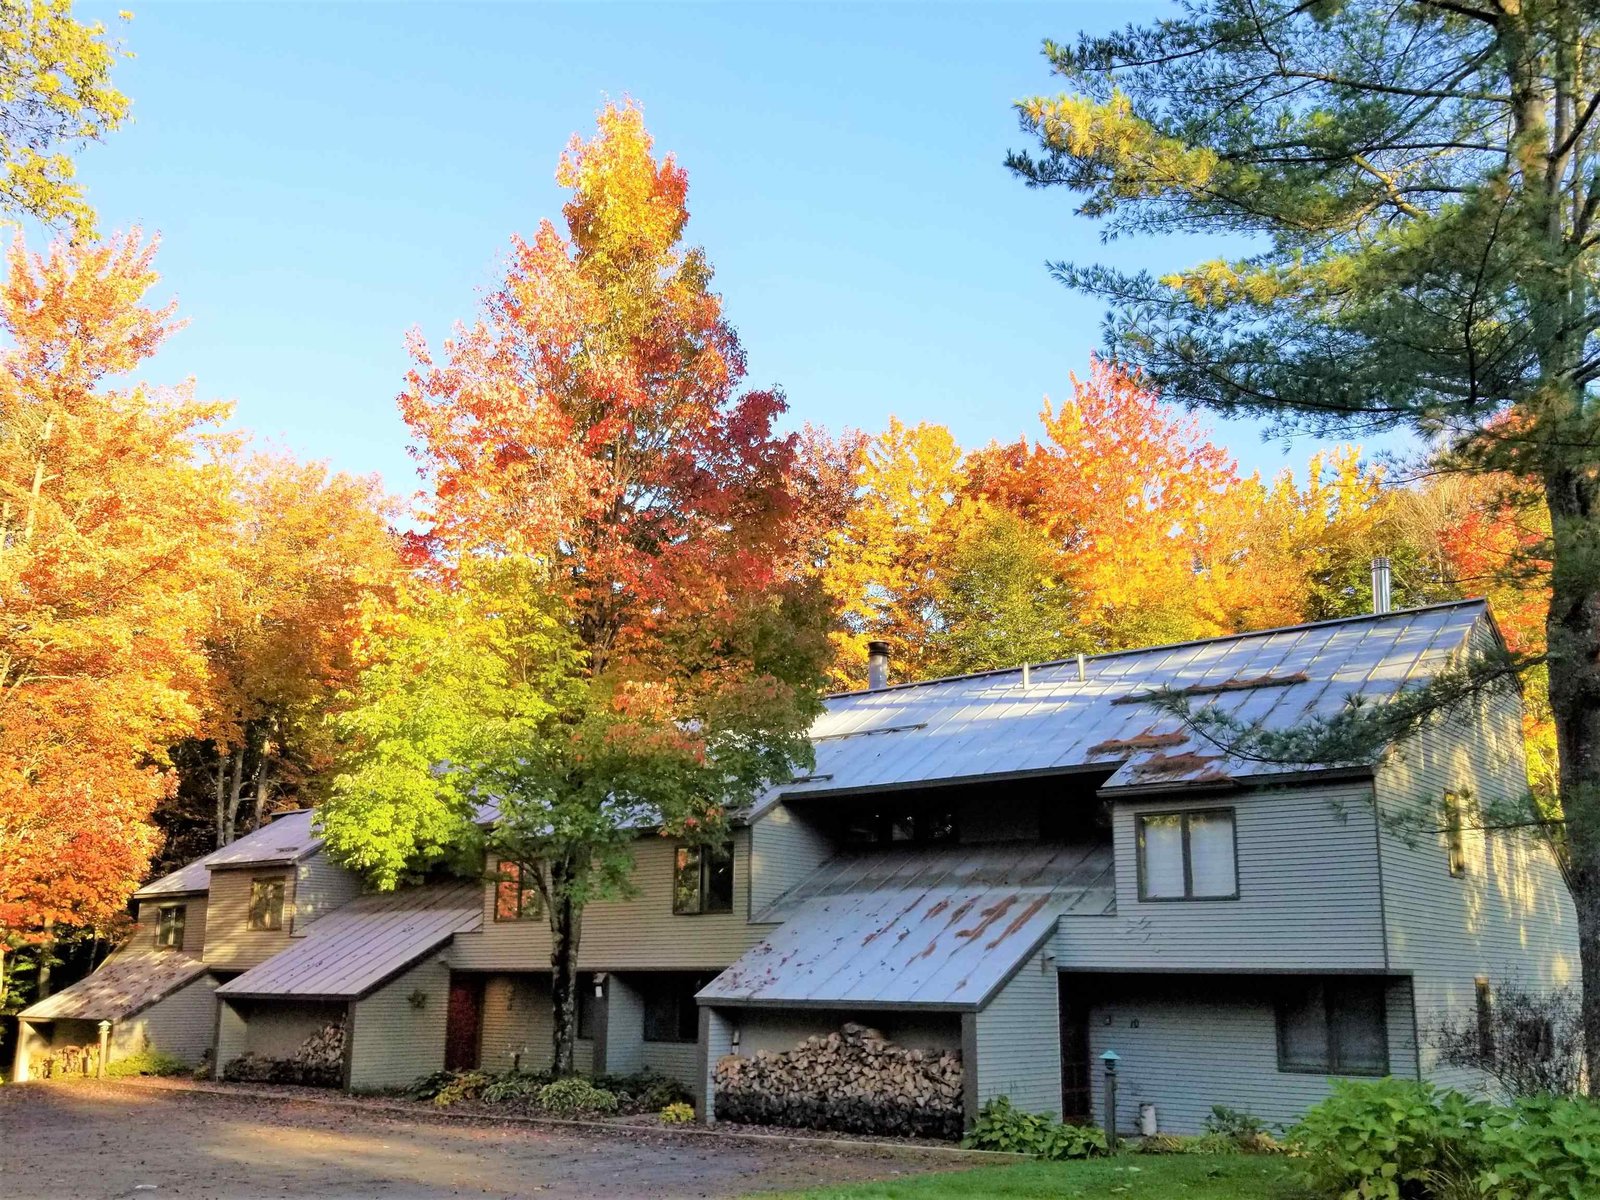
column 1221, row 637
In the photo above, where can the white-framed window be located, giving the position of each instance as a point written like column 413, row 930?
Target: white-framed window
column 169, row 926
column 1188, row 855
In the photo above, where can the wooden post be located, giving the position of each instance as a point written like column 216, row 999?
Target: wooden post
column 105, row 1046
column 1111, row 1058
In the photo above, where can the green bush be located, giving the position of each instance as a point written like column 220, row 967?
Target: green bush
column 677, row 1114
column 1544, row 1148
column 146, row 1062
column 646, row 1091
column 575, row 1096
column 426, row 1087
column 1003, row 1126
column 1389, row 1139
column 465, row 1085
column 1234, row 1125
column 514, row 1087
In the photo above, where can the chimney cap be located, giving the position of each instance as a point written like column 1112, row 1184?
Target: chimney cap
column 877, row 647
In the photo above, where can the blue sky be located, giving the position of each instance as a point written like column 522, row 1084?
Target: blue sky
column 326, row 177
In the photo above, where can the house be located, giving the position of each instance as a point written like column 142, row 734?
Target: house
column 1034, row 867
column 193, row 930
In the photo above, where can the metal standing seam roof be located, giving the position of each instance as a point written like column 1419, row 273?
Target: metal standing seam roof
column 990, row 724
column 932, row 928
column 125, row 984
column 286, row 839
column 353, row 949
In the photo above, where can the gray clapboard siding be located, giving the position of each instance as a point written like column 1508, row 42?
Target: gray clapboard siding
column 230, row 943
column 320, row 887
column 639, row 933
column 518, row 1025
column 1189, row 1044
column 784, row 849
column 1018, row 1040
column 271, row 1028
column 392, row 1040
column 1308, row 891
column 624, row 1049
column 1509, row 916
column 182, row 1024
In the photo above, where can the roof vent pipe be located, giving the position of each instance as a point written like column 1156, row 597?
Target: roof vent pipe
column 1380, row 585
column 877, row 666
column 1026, row 676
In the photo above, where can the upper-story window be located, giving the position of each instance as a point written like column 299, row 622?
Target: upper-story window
column 516, row 893
column 1455, row 834
column 169, row 926
column 702, row 879
column 1188, row 856
column 266, row 904
column 1335, row 1027
column 900, row 823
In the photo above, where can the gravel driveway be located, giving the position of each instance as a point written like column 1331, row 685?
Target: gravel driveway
column 92, row 1140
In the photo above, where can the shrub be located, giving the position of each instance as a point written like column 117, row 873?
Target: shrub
column 1234, row 1125
column 426, row 1087
column 575, row 1096
column 514, row 1087
column 1003, row 1126
column 1529, row 1043
column 465, row 1085
column 146, row 1062
column 1388, row 1139
column 677, row 1114
column 647, row 1091
column 1544, row 1148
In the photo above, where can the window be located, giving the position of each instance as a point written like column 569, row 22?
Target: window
column 169, row 926
column 670, row 1013
column 516, row 894
column 1455, row 834
column 702, row 879
column 266, row 904
column 901, row 823
column 1187, row 856
column 1334, row 1028
column 588, row 1006
column 1485, row 1019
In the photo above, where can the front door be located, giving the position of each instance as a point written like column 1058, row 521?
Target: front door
column 1076, row 1098
column 463, row 1023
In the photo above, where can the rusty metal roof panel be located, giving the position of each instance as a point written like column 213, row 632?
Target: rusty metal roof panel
column 355, row 948
column 989, row 725
column 912, row 928
column 126, row 983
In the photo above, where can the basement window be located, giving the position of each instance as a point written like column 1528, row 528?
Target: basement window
column 670, row 1013
column 1188, row 856
column 1334, row 1027
column 702, row 879
column 266, row 905
column 169, row 926
column 516, row 893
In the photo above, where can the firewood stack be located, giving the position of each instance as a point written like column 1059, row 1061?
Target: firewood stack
column 319, row 1062
column 323, row 1049
column 854, row 1081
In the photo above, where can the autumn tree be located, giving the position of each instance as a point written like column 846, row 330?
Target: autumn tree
column 591, row 425
column 55, row 94
column 303, row 549
column 1418, row 181
column 106, row 489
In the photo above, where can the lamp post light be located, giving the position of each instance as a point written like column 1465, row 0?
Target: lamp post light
column 1111, row 1058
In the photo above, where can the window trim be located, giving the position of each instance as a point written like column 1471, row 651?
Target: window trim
column 698, row 849
column 282, row 882
column 1333, row 1067
column 1455, row 835
column 180, row 913
column 1184, row 814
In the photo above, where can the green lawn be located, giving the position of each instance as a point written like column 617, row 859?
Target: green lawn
column 1127, row 1177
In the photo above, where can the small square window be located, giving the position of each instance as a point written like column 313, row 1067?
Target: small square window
column 516, row 893
column 702, row 879
column 266, row 904
column 169, row 926
column 1187, row 856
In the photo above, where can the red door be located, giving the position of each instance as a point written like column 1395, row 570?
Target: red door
column 463, row 1023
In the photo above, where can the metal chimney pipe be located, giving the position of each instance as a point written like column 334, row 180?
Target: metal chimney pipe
column 877, row 665
column 1380, row 585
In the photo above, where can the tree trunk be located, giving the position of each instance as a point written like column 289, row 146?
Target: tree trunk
column 228, row 805
column 221, row 797
column 566, row 920
column 1573, row 630
column 47, row 945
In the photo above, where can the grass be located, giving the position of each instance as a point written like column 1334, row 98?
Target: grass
column 1126, row 1177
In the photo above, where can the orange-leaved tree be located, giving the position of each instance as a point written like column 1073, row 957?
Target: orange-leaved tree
column 591, row 426
column 106, row 493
